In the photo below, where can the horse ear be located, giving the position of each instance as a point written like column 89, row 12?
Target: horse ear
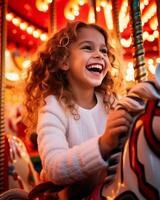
column 157, row 75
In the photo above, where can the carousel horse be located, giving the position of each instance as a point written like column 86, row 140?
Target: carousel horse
column 133, row 171
column 137, row 174
column 19, row 159
column 21, row 172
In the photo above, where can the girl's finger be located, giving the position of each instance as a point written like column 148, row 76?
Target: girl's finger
column 119, row 122
column 117, row 131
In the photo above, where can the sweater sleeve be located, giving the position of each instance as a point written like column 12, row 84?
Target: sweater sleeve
column 61, row 164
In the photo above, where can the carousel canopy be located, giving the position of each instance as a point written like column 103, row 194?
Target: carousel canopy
column 29, row 21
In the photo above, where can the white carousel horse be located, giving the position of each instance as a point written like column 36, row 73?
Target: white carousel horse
column 22, row 177
column 137, row 174
column 21, row 173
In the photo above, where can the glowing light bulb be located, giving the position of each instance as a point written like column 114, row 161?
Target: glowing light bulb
column 9, row 17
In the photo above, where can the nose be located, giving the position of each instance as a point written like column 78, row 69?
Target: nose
column 98, row 54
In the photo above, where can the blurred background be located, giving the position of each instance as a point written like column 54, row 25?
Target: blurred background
column 29, row 23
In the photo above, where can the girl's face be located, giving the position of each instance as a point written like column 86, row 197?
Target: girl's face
column 88, row 61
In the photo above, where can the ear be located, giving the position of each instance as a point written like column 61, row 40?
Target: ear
column 65, row 67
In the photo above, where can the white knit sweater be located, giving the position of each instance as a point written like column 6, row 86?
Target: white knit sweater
column 69, row 148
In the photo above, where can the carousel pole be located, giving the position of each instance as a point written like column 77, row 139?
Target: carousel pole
column 93, row 4
column 115, row 14
column 3, row 143
column 158, row 17
column 94, row 8
column 138, row 50
column 52, row 22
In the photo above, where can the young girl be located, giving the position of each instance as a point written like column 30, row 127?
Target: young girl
column 69, row 92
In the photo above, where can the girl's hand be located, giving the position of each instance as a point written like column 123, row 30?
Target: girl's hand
column 118, row 124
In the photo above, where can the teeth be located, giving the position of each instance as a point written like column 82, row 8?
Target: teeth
column 94, row 66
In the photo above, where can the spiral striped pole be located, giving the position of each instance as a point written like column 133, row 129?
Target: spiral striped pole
column 138, row 50
column 3, row 147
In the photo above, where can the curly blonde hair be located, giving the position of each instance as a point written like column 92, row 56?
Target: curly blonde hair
column 45, row 76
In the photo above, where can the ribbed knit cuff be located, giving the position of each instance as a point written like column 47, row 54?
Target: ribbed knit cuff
column 91, row 157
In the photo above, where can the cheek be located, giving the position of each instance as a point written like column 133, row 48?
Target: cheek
column 75, row 58
column 79, row 62
column 108, row 65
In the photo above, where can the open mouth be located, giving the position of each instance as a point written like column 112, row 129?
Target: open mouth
column 95, row 68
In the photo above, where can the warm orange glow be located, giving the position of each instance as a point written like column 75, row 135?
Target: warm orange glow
column 108, row 16
column 91, row 17
column 42, row 5
column 9, row 16
column 149, row 12
column 12, row 76
column 153, row 23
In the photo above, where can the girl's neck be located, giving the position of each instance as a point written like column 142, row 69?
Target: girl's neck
column 86, row 99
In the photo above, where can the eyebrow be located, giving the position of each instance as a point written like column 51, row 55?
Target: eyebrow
column 85, row 41
column 90, row 42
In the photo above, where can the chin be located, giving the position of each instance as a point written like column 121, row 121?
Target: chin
column 96, row 84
